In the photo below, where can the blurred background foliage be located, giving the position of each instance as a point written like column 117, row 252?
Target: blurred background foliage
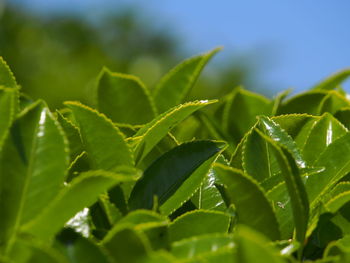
column 58, row 57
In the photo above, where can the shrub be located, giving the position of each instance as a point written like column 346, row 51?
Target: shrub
column 148, row 176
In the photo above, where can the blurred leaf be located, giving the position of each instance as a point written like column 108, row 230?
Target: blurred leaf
column 8, row 110
column 124, row 244
column 202, row 245
column 333, row 81
column 81, row 192
column 7, row 79
column 79, row 249
column 174, row 87
column 198, row 222
column 252, row 247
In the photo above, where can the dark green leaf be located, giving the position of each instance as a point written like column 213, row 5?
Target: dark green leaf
column 175, row 176
column 149, row 135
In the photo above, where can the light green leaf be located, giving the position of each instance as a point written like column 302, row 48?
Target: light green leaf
column 257, row 160
column 201, row 245
column 124, row 98
column 104, row 143
column 277, row 134
column 326, row 130
column 198, row 222
column 149, row 135
column 251, row 203
column 333, row 102
column 306, row 102
column 73, row 136
column 333, row 81
column 252, row 247
column 241, row 110
column 296, row 190
column 208, row 196
column 7, row 78
column 8, row 110
column 124, row 244
column 175, row 176
column 82, row 192
column 338, row 201
column 32, row 170
column 174, row 87
column 336, row 161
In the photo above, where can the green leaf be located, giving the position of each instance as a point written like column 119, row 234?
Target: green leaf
column 253, row 207
column 175, row 176
column 7, row 78
column 174, row 87
column 82, row 192
column 201, row 245
column 343, row 115
column 277, row 134
column 124, row 244
column 252, row 247
column 198, row 222
column 29, row 250
column 124, row 98
column 149, row 135
column 241, row 110
column 141, row 217
column 8, row 110
column 325, row 130
column 306, row 102
column 333, row 81
column 338, row 201
column 33, row 169
column 208, row 196
column 79, row 249
column 73, row 136
column 104, row 143
column 336, row 161
column 333, row 102
column 296, row 190
column 256, row 159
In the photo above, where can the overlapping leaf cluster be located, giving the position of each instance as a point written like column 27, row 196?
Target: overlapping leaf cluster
column 148, row 176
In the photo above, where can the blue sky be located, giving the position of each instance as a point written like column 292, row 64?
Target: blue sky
column 297, row 42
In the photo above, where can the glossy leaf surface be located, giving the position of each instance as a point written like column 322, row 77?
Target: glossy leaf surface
column 166, row 177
